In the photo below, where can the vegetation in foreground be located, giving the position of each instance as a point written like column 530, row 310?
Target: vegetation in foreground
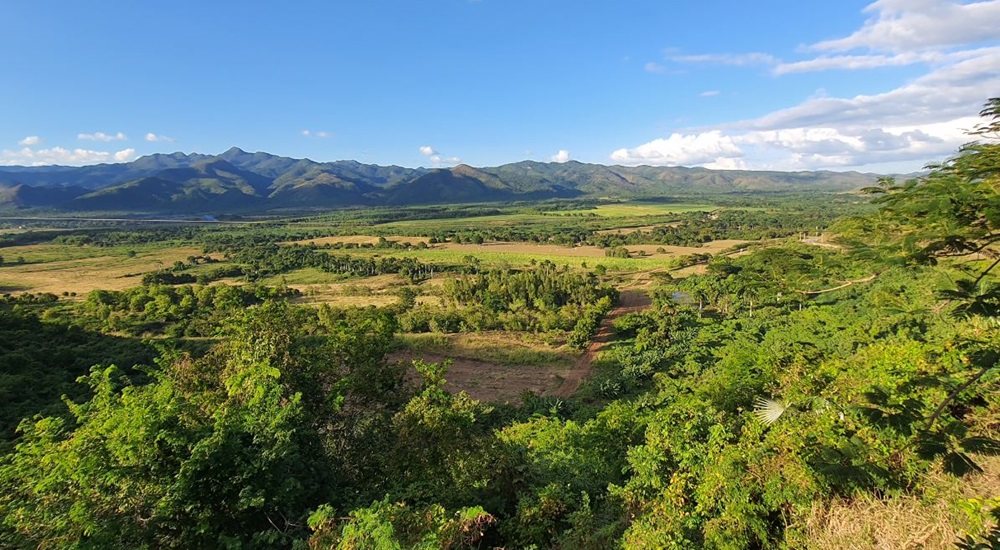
column 756, row 405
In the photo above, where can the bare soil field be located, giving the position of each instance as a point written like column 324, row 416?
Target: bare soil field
column 504, row 383
column 489, row 381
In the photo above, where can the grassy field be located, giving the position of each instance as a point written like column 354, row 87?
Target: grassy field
column 633, row 209
column 64, row 268
column 630, row 213
column 521, row 254
column 476, row 222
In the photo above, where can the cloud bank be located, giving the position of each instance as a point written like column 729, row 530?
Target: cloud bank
column 920, row 121
column 101, row 136
column 59, row 155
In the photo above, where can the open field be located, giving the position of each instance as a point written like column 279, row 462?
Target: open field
column 58, row 269
column 492, row 366
column 475, row 222
column 520, row 254
column 70, row 268
column 632, row 209
column 502, row 348
column 491, row 382
column 628, row 213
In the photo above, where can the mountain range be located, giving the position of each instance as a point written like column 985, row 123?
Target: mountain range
column 238, row 181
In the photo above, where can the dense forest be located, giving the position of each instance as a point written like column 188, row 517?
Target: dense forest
column 751, row 398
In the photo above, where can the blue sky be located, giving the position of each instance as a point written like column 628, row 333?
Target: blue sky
column 777, row 84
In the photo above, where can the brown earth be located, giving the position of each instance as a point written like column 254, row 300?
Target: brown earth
column 489, row 381
column 631, row 301
column 486, row 381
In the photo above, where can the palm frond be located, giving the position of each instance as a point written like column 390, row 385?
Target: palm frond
column 768, row 411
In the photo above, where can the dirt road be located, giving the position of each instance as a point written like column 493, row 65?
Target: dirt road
column 631, row 301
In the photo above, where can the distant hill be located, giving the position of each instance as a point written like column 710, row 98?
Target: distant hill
column 240, row 181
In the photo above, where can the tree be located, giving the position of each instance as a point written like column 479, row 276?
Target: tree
column 234, row 449
column 954, row 210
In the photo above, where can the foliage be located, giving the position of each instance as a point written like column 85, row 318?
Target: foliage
column 723, row 416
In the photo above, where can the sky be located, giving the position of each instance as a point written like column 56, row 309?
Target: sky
column 884, row 86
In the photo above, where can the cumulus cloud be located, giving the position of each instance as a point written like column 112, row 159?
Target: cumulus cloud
column 151, row 137
column 30, row 140
column 444, row 161
column 319, row 134
column 59, row 155
column 101, row 136
column 561, row 156
column 681, row 150
column 920, row 121
column 436, row 158
column 909, row 25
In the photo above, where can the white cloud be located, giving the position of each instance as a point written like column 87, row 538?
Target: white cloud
column 316, row 134
column 445, row 161
column 58, row 155
column 561, row 156
column 151, row 137
column 654, row 68
column 125, row 155
column 913, row 25
column 681, row 150
column 739, row 60
column 30, row 140
column 101, row 136
column 709, row 93
column 919, row 121
column 427, row 151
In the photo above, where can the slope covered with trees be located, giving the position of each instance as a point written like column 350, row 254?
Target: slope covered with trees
column 237, row 181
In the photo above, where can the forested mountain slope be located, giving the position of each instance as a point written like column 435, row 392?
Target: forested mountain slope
column 241, row 181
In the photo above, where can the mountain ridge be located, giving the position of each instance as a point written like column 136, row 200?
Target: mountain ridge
column 239, row 180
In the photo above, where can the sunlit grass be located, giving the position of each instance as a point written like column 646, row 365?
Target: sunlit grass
column 630, row 209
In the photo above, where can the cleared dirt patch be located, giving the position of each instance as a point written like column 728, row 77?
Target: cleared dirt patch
column 492, row 366
column 489, row 381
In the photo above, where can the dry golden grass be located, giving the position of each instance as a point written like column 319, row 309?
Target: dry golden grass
column 936, row 522
column 554, row 250
column 81, row 275
column 713, row 247
column 339, row 300
column 558, row 251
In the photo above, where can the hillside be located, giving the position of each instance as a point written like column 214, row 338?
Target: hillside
column 240, row 181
